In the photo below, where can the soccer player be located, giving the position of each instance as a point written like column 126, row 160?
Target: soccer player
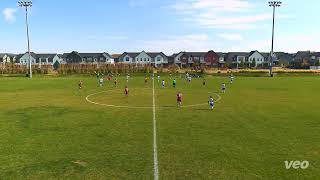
column 163, row 84
column 231, row 78
column 101, row 82
column 80, row 84
column 126, row 91
column 174, row 83
column 179, row 99
column 115, row 82
column 158, row 78
column 146, row 80
column 128, row 76
column 204, row 82
column 223, row 88
column 211, row 102
column 189, row 79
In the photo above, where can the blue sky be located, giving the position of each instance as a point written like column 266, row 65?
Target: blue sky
column 170, row 26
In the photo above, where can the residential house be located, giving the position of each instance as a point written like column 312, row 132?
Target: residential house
column 142, row 58
column 315, row 58
column 116, row 57
column 23, row 59
column 38, row 59
column 255, row 57
column 177, row 59
column 128, row 58
column 236, row 58
column 7, row 58
column 283, row 58
column 209, row 58
column 171, row 59
column 154, row 58
column 88, row 58
column 301, row 56
column 158, row 59
column 47, row 59
column 222, row 58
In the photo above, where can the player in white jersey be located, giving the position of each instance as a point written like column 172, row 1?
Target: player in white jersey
column 158, row 78
column 163, row 84
column 211, row 102
column 128, row 76
column 223, row 88
column 231, row 79
column 189, row 79
column 101, row 82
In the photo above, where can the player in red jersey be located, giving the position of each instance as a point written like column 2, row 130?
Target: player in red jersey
column 126, row 91
column 115, row 82
column 179, row 99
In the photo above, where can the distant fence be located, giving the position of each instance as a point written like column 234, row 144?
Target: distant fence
column 315, row 67
column 65, row 69
column 75, row 68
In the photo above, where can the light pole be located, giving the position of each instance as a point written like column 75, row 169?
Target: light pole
column 273, row 4
column 27, row 4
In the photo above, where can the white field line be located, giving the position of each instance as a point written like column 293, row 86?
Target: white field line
column 142, row 107
column 155, row 152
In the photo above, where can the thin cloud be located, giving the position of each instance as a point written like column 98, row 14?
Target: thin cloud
column 221, row 14
column 174, row 44
column 107, row 37
column 231, row 37
column 9, row 14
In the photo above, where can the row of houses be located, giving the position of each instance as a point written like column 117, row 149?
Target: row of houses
column 158, row 59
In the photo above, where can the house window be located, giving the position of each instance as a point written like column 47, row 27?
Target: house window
column 127, row 59
column 159, row 59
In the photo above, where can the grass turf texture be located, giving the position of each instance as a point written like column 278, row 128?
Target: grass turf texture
column 49, row 131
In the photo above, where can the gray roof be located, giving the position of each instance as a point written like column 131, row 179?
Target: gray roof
column 45, row 55
column 302, row 54
column 317, row 54
column 131, row 54
column 195, row 54
column 86, row 55
column 221, row 54
column 265, row 55
column 155, row 54
column 91, row 55
column 282, row 56
column 135, row 54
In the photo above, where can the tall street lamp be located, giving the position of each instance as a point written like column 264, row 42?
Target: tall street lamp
column 273, row 4
column 27, row 4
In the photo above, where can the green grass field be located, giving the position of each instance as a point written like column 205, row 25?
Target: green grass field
column 49, row 131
